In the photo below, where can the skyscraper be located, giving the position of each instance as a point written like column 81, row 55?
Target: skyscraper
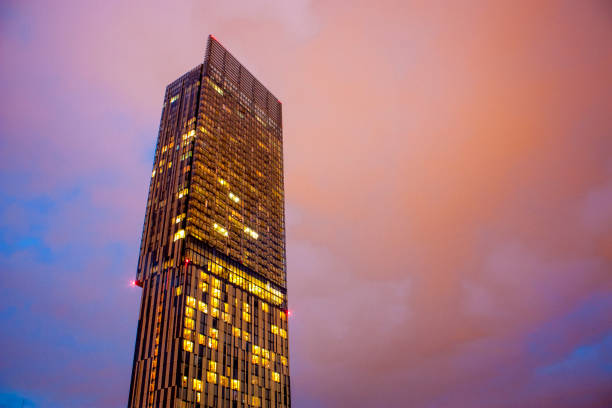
column 212, row 330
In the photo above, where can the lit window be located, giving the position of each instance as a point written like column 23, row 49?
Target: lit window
column 211, row 377
column 214, row 333
column 255, row 359
column 214, row 312
column 153, row 174
column 201, row 339
column 187, row 334
column 284, row 360
column 236, row 331
column 182, row 193
column 197, row 385
column 187, row 345
column 212, row 365
column 276, row 376
column 179, row 290
column 283, row 333
column 216, row 88
column 220, row 230
column 191, row 301
column 203, row 286
column 216, row 293
column 224, row 381
column 179, row 218
column 212, row 343
column 189, row 323
column 174, row 99
column 203, row 275
column 256, row 402
column 180, row 234
column 198, row 396
column 236, row 385
column 251, row 232
column 215, row 302
column 223, row 182
column 264, row 307
column 256, row 349
column 274, row 329
column 234, row 197
column 245, row 336
column 202, row 307
column 184, row 381
column 265, row 353
column 188, row 311
column 246, row 317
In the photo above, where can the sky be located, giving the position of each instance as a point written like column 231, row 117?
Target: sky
column 448, row 176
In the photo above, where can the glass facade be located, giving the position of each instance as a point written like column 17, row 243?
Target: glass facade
column 213, row 329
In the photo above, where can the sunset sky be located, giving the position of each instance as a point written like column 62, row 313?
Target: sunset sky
column 448, row 177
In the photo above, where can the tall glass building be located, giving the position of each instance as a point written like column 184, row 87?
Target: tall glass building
column 212, row 330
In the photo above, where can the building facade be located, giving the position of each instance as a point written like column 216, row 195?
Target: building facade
column 212, row 330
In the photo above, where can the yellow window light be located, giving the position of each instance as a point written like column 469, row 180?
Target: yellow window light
column 180, row 234
column 234, row 197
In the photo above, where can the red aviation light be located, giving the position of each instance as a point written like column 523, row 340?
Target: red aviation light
column 136, row 283
column 187, row 261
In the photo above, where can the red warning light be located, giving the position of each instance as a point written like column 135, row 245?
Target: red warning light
column 289, row 313
column 187, row 261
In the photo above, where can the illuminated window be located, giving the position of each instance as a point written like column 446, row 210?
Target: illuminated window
column 212, row 365
column 234, row 197
column 216, row 293
column 236, row 331
column 174, row 99
column 212, row 343
column 201, row 339
column 216, row 88
column 256, row 349
column 276, row 376
column 182, row 193
column 153, row 174
column 224, row 381
column 189, row 323
column 215, row 302
column 274, row 329
column 203, row 286
column 184, row 381
column 283, row 333
column 187, row 345
column 187, row 334
column 198, row 397
column 214, row 312
column 246, row 317
column 245, row 306
column 179, row 290
column 265, row 353
column 202, row 307
column 211, row 377
column 284, row 360
column 245, row 336
column 188, row 311
column 190, row 301
column 214, row 333
column 251, row 232
column 222, row 182
column 256, row 401
column 197, row 385
column 179, row 218
column 264, row 307
column 236, row 385
column 220, row 230
column 255, row 359
column 216, row 283
column 180, row 234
